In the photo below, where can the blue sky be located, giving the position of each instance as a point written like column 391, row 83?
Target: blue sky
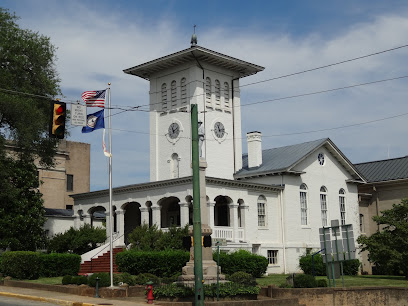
column 96, row 40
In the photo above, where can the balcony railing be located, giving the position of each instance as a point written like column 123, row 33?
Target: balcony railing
column 224, row 232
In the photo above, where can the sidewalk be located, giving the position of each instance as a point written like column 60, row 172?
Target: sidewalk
column 66, row 299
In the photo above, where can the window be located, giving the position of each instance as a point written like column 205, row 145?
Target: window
column 208, row 92
column 273, row 257
column 69, row 207
column 323, row 204
column 173, row 94
column 303, row 204
column 164, row 96
column 183, row 91
column 217, row 93
column 261, row 211
column 342, row 202
column 361, row 223
column 226, row 95
column 70, row 182
column 174, row 165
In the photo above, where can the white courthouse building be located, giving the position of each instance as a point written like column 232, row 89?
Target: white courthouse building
column 271, row 202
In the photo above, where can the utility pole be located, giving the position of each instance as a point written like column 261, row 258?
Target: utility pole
column 198, row 254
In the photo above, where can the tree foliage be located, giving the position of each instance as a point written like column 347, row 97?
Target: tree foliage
column 28, row 82
column 21, row 205
column 388, row 249
column 145, row 238
column 77, row 241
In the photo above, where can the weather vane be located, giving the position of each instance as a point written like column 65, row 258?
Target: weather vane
column 194, row 38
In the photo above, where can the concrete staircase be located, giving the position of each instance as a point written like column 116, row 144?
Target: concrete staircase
column 100, row 263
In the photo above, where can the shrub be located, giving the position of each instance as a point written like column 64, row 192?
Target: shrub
column 285, row 285
column 171, row 291
column 242, row 260
column 350, row 267
column 305, row 263
column 67, row 279
column 171, row 279
column 80, row 280
column 56, row 264
column 159, row 263
column 143, row 278
column 125, row 278
column 104, row 279
column 243, row 278
column 304, row 281
column 78, row 241
column 321, row 283
column 21, row 264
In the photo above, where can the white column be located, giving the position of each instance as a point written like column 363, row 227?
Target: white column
column 234, row 221
column 144, row 215
column 120, row 227
column 183, row 214
column 211, row 215
column 156, row 215
column 77, row 221
column 244, row 209
column 86, row 218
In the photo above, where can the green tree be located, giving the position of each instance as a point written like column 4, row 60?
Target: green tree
column 77, row 241
column 388, row 249
column 28, row 82
column 21, row 209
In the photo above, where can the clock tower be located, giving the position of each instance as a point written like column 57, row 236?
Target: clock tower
column 194, row 76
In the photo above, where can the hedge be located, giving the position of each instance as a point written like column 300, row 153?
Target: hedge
column 56, row 264
column 159, row 263
column 244, row 261
column 350, row 267
column 32, row 265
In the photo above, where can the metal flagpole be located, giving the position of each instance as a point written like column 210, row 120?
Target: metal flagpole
column 110, row 189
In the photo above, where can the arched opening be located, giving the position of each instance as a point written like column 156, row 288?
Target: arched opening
column 98, row 216
column 221, row 211
column 149, row 207
column 132, row 218
column 170, row 212
column 174, row 166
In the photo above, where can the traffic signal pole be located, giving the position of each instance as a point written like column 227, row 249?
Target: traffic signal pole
column 198, row 254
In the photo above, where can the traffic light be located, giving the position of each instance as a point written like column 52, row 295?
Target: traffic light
column 207, row 241
column 58, row 116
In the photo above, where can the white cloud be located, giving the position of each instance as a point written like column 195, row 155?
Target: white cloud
column 93, row 50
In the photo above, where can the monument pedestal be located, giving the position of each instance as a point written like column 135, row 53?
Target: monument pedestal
column 209, row 265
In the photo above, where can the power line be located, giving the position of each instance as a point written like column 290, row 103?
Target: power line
column 325, row 66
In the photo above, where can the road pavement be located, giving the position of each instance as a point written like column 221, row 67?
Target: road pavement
column 55, row 298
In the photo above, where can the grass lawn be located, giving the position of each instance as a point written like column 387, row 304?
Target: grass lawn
column 47, row 280
column 349, row 281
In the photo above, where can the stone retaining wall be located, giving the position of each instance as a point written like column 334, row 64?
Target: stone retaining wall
column 361, row 296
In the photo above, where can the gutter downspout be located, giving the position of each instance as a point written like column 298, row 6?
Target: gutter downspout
column 283, row 226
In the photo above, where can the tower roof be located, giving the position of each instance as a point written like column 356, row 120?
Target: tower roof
column 193, row 54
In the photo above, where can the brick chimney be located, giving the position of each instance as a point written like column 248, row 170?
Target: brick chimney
column 254, row 141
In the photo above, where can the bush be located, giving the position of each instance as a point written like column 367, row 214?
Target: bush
column 242, row 260
column 125, row 278
column 80, row 280
column 159, row 263
column 285, row 285
column 171, row 279
column 321, row 283
column 304, row 281
column 242, row 278
column 21, row 264
column 226, row 290
column 104, row 279
column 143, row 278
column 67, row 279
column 78, row 241
column 305, row 263
column 350, row 267
column 56, row 264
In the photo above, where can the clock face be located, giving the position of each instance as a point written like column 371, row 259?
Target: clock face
column 219, row 129
column 320, row 159
column 174, row 130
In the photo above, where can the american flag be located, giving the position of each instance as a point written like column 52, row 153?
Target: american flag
column 94, row 98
